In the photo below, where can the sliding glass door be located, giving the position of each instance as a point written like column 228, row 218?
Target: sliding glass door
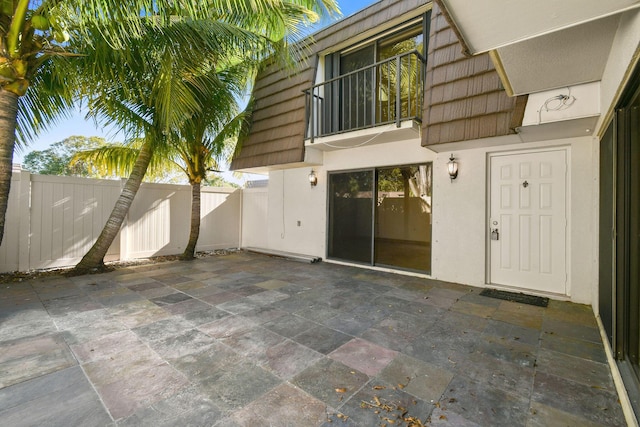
column 382, row 217
column 350, row 215
column 619, row 286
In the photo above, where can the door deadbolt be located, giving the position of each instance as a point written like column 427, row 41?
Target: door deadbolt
column 495, row 234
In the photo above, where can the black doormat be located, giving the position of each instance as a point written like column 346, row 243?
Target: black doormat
column 516, row 297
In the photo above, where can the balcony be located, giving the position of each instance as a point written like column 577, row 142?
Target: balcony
column 387, row 92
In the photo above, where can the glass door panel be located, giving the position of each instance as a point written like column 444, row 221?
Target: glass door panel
column 350, row 215
column 401, row 77
column 633, row 317
column 356, row 99
column 403, row 217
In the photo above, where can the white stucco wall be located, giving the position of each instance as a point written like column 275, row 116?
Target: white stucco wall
column 460, row 213
column 459, row 208
column 292, row 199
column 623, row 56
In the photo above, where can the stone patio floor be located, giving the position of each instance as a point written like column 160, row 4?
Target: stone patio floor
column 250, row 340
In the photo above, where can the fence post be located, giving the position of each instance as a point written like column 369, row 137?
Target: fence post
column 124, row 244
column 24, row 235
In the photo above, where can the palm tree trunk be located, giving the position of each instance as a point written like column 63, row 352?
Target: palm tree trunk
column 190, row 250
column 8, row 118
column 94, row 259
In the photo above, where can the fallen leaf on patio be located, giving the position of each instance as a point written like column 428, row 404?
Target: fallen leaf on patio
column 341, row 390
column 379, row 387
column 400, row 386
column 343, row 417
column 452, row 400
column 377, row 400
column 443, row 417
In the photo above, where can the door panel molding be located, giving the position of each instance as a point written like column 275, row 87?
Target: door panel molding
column 528, row 202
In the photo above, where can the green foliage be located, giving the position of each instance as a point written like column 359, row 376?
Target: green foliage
column 56, row 160
column 218, row 181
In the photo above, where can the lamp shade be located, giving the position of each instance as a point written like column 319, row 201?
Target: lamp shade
column 452, row 167
column 313, row 178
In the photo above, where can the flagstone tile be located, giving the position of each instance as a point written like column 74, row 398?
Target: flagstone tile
column 140, row 389
column 330, row 381
column 321, row 339
column 27, row 358
column 364, row 356
column 283, row 405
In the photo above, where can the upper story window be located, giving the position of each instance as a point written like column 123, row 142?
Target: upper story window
column 376, row 82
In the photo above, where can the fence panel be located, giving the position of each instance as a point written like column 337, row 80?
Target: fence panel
column 52, row 221
column 220, row 223
column 255, row 202
column 10, row 248
column 158, row 221
column 66, row 217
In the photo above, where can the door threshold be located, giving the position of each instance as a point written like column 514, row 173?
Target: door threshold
column 383, row 269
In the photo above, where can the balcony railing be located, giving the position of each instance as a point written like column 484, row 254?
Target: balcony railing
column 389, row 91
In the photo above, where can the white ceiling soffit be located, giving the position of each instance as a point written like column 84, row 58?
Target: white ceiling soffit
column 566, row 58
column 491, row 24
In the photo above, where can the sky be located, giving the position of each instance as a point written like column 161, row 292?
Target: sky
column 77, row 125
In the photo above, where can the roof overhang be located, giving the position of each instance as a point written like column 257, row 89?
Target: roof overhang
column 542, row 45
column 492, row 24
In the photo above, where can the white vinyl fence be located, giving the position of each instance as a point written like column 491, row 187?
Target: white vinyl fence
column 52, row 221
column 254, row 217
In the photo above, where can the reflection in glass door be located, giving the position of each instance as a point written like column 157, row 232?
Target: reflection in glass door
column 403, row 217
column 382, row 217
column 350, row 214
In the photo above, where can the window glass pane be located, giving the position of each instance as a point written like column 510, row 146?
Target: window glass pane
column 401, row 42
column 403, row 217
column 356, row 100
column 350, row 214
column 400, row 77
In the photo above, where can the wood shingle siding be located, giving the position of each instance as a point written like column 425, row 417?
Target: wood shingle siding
column 276, row 135
column 464, row 97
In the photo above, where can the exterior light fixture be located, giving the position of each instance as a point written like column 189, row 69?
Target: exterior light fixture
column 313, row 178
column 452, row 167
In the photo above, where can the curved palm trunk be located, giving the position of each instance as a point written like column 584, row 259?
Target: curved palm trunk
column 190, row 250
column 95, row 257
column 8, row 119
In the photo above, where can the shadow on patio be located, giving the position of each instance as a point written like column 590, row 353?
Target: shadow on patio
column 251, row 340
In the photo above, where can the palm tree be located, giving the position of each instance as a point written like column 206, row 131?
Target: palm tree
column 34, row 33
column 159, row 81
column 204, row 141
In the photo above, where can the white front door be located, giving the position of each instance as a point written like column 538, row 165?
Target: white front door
column 528, row 220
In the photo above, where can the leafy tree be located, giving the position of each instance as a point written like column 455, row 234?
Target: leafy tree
column 36, row 36
column 205, row 141
column 56, row 160
column 159, row 81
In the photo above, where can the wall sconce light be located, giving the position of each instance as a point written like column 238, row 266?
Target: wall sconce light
column 452, row 167
column 313, row 178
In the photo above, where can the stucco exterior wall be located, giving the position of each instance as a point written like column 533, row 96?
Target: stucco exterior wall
column 624, row 54
column 459, row 208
